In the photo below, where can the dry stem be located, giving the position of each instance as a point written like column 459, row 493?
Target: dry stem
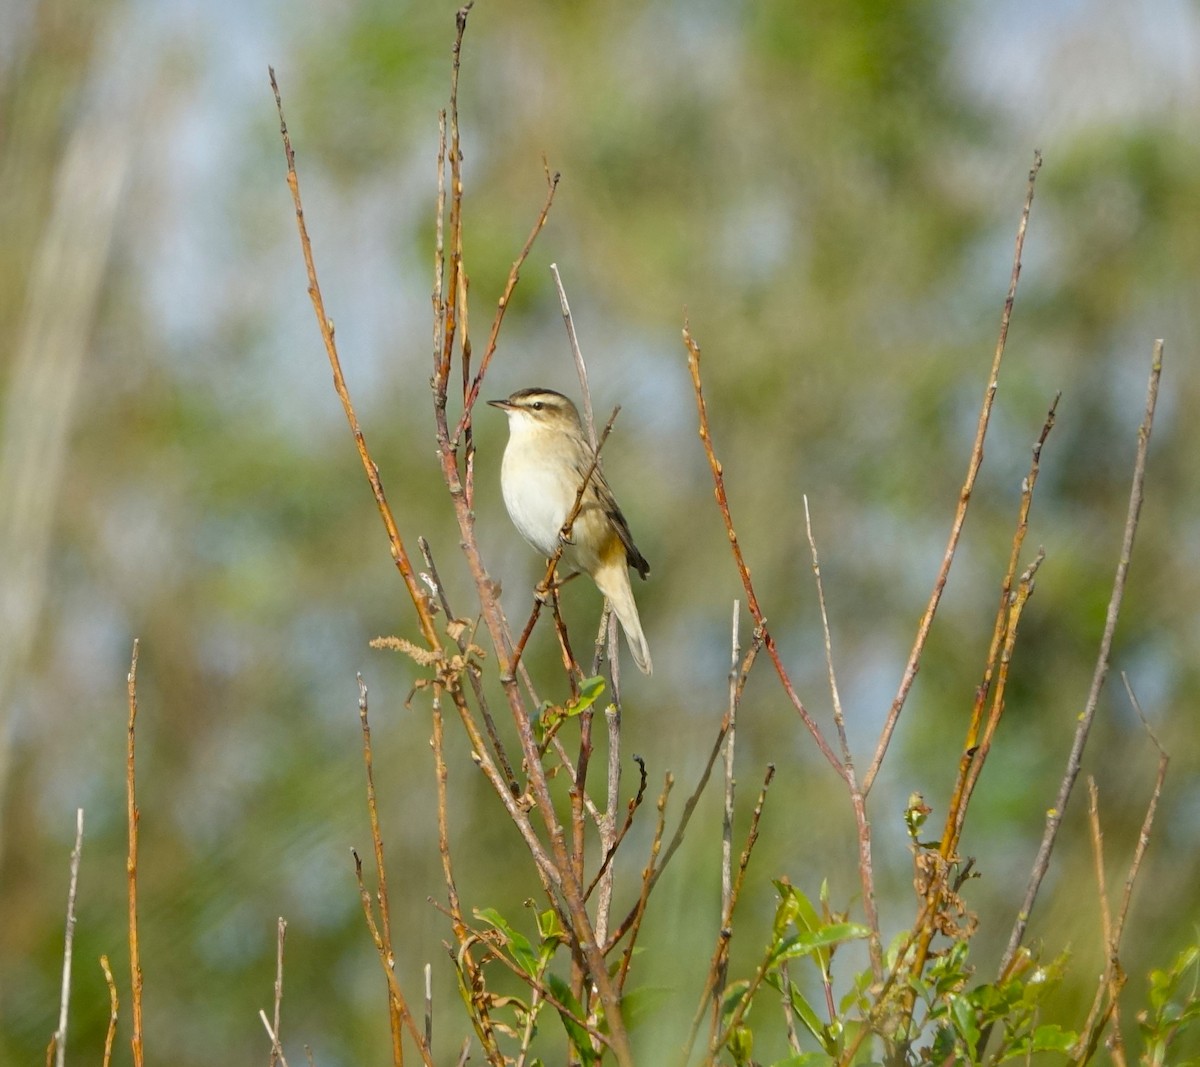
column 280, row 934
column 60, row 1035
column 325, row 324
column 858, row 799
column 964, row 498
column 1084, row 722
column 111, row 1033
column 273, row 1033
column 381, row 933
column 760, row 621
column 135, row 957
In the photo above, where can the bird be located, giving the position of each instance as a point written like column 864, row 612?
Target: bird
column 546, row 460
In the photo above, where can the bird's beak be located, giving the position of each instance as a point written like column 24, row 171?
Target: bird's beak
column 503, row 405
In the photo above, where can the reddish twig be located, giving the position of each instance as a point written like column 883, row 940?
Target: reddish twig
column 760, row 621
column 325, row 324
column 513, row 277
column 964, row 497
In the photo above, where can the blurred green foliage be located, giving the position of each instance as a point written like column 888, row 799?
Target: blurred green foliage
column 830, row 190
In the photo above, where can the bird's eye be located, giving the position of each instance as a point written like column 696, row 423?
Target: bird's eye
column 537, row 405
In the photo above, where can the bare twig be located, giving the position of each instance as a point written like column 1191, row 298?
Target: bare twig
column 601, row 877
column 610, row 837
column 277, row 1055
column 1114, row 975
column 964, row 498
column 760, row 621
column 280, row 934
column 60, row 1035
column 111, row 1034
column 858, row 800
column 464, row 1053
column 382, row 933
column 135, row 957
column 399, row 552
column 580, row 366
column 727, row 812
column 720, row 1034
column 513, row 276
column 1108, row 989
column 460, row 639
column 1148, row 822
column 1084, row 722
column 429, row 1007
column 689, row 806
column 639, row 909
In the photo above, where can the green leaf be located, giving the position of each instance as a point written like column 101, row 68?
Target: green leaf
column 741, row 1045
column 962, row 1011
column 1054, row 1039
column 520, row 946
column 581, row 1043
column 590, row 690
column 732, row 997
column 810, row 941
column 549, row 928
column 807, row 1014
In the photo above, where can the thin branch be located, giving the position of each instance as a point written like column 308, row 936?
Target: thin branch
column 502, row 305
column 727, row 811
column 111, row 1034
column 280, row 934
column 720, row 1035
column 601, row 877
column 760, row 621
column 276, row 1050
column 858, row 800
column 429, row 1007
column 399, row 552
column 382, row 934
column 580, row 367
column 460, row 639
column 964, row 497
column 610, row 837
column 135, row 957
column 1084, row 722
column 639, row 910
column 1111, row 980
column 60, row 1035
column 1143, row 840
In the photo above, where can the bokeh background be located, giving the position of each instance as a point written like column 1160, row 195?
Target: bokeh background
column 831, row 190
